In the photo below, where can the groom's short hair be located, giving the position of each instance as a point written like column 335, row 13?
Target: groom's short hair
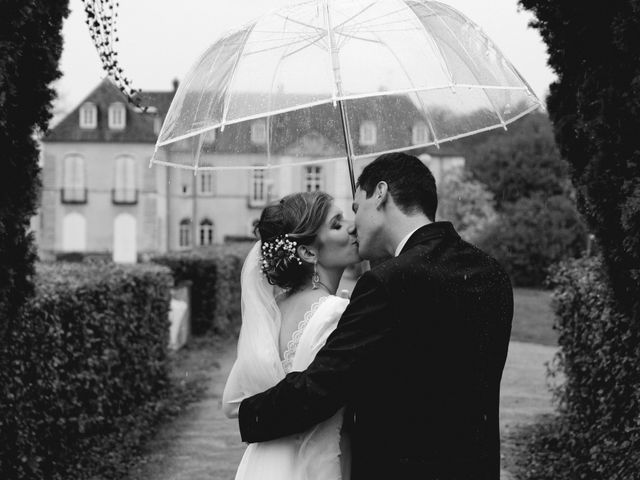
column 411, row 183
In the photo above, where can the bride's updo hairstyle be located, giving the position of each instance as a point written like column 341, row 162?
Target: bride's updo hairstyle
column 299, row 216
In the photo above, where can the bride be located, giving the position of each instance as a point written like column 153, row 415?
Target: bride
column 289, row 308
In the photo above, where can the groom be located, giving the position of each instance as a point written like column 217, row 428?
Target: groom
column 417, row 357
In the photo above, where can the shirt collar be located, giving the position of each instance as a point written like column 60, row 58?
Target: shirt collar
column 405, row 240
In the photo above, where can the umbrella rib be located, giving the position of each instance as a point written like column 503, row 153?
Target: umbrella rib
column 284, row 45
column 225, row 108
column 424, row 107
column 434, row 45
column 359, row 38
column 313, row 27
column 340, row 25
column 473, row 64
column 310, row 44
column 387, row 14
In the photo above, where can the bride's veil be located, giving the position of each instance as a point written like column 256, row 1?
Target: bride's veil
column 258, row 365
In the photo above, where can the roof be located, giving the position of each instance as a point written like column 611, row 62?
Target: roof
column 139, row 126
column 292, row 129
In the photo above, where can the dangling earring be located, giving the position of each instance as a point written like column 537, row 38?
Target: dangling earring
column 315, row 279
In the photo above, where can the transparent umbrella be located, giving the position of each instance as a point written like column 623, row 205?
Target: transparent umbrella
column 327, row 80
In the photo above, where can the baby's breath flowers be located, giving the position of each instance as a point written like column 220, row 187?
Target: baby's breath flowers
column 277, row 253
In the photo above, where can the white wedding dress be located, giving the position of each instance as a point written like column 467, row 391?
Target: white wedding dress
column 320, row 453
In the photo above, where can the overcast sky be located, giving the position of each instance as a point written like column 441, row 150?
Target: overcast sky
column 160, row 39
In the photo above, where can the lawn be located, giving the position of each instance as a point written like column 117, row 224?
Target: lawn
column 533, row 317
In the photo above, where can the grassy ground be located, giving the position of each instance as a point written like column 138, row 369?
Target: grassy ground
column 533, row 318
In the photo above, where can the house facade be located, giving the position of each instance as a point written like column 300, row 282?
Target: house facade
column 101, row 196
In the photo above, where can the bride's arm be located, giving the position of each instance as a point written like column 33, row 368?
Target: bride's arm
column 304, row 399
column 230, row 408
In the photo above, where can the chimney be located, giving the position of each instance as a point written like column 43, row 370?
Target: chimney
column 175, row 83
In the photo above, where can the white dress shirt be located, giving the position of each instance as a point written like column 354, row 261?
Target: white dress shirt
column 404, row 241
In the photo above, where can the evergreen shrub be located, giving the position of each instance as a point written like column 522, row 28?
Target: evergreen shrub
column 214, row 273
column 597, row 432
column 84, row 371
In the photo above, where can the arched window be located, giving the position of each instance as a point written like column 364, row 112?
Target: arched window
column 88, row 116
column 206, row 232
column 419, row 134
column 124, row 188
column 74, row 188
column 117, row 116
column 185, row 233
column 368, row 133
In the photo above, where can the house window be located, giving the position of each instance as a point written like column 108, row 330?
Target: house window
column 258, row 132
column 312, row 179
column 367, row 133
column 185, row 233
column 74, row 189
column 206, row 232
column 88, row 116
column 117, row 116
column 157, row 124
column 124, row 190
column 258, row 188
column 206, row 183
column 420, row 134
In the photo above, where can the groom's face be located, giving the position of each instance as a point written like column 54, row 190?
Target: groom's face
column 369, row 221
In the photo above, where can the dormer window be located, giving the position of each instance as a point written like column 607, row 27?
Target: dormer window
column 117, row 116
column 88, row 116
column 368, row 134
column 419, row 134
column 258, row 132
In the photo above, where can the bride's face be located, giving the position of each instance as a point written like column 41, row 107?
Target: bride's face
column 337, row 246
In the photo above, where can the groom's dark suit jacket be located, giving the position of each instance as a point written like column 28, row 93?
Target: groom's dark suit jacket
column 417, row 358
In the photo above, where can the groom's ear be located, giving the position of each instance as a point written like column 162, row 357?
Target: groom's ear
column 381, row 194
column 307, row 254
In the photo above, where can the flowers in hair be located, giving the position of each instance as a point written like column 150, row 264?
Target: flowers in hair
column 278, row 253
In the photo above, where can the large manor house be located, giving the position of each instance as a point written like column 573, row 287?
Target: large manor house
column 100, row 196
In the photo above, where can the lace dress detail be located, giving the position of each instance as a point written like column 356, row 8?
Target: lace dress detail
column 292, row 345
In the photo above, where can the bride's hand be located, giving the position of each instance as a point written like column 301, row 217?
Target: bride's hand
column 231, row 408
column 344, row 293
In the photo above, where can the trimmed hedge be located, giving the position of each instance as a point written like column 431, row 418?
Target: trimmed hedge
column 597, row 434
column 82, row 371
column 214, row 273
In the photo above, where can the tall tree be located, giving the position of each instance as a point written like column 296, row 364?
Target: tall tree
column 595, row 109
column 521, row 162
column 30, row 48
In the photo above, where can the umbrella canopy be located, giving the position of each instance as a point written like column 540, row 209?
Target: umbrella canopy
column 323, row 80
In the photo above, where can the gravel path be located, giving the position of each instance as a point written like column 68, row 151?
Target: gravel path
column 202, row 444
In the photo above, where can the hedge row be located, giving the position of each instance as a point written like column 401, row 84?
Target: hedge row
column 81, row 370
column 214, row 274
column 597, row 434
